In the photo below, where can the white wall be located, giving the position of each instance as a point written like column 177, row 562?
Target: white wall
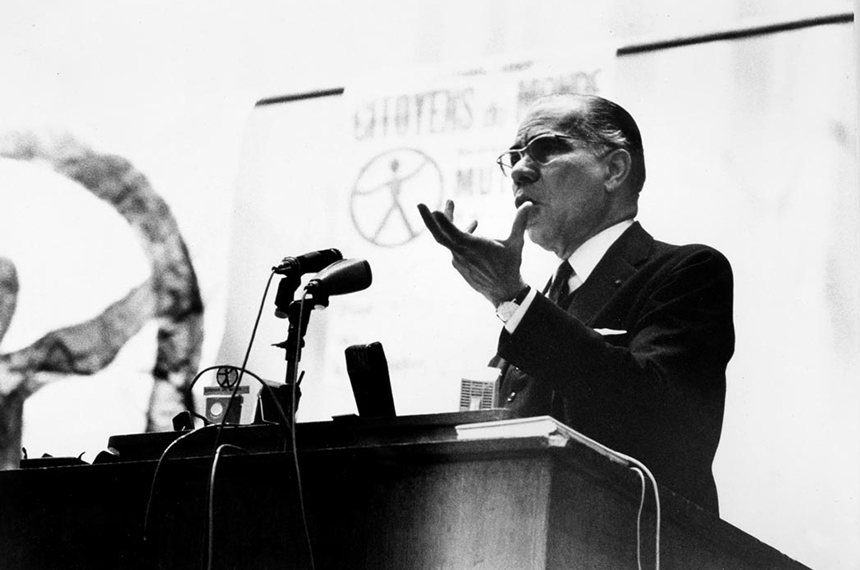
column 747, row 156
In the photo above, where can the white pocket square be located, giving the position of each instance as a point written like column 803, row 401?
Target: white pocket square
column 609, row 332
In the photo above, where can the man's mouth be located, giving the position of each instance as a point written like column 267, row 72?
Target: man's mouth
column 522, row 199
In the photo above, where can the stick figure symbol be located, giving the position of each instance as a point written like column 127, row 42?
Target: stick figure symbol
column 384, row 185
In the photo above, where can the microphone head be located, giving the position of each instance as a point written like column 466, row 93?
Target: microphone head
column 318, row 260
column 342, row 277
column 310, row 262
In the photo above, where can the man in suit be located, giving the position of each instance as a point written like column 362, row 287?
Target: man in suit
column 630, row 341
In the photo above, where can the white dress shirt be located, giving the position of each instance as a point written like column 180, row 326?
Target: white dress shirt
column 583, row 261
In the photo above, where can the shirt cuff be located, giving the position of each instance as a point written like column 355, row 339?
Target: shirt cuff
column 511, row 324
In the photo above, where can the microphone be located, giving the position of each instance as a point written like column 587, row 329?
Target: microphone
column 292, row 268
column 308, row 263
column 339, row 278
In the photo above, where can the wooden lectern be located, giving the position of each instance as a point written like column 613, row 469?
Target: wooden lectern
column 405, row 493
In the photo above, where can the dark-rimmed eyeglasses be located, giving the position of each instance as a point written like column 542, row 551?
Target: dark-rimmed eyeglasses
column 542, row 149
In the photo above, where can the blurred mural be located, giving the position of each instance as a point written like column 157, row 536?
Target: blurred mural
column 170, row 295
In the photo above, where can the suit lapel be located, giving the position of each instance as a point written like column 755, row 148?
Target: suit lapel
column 617, row 266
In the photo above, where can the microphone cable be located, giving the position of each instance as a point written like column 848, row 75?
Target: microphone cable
column 208, row 427
column 245, row 359
column 289, row 422
column 210, row 507
column 158, row 465
column 640, row 468
column 220, row 426
column 295, row 381
column 639, row 523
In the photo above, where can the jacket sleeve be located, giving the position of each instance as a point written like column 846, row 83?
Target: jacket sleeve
column 671, row 359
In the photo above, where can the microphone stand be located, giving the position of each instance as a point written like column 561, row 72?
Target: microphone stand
column 298, row 318
column 344, row 276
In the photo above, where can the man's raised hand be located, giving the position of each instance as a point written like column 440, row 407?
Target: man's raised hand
column 490, row 266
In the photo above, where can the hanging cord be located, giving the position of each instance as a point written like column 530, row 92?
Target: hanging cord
column 294, row 387
column 210, row 511
column 209, row 427
column 289, row 422
column 630, row 463
column 642, row 471
column 640, row 468
column 242, row 370
column 245, row 359
column 158, row 465
column 639, row 517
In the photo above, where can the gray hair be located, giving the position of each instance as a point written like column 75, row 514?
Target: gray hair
column 605, row 125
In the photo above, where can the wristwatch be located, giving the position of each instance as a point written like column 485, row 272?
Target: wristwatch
column 506, row 309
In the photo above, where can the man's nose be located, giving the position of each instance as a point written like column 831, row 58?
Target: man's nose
column 525, row 171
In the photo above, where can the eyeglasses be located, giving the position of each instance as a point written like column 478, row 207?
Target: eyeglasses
column 542, row 149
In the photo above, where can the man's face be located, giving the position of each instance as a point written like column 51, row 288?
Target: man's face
column 570, row 201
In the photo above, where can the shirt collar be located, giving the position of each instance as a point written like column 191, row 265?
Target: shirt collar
column 589, row 254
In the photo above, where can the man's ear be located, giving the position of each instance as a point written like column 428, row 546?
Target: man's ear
column 618, row 164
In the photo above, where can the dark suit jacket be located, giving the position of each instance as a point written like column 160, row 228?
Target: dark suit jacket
column 655, row 392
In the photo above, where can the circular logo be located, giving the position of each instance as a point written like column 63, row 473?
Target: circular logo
column 386, row 192
column 226, row 376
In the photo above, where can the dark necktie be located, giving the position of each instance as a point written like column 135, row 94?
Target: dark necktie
column 559, row 289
